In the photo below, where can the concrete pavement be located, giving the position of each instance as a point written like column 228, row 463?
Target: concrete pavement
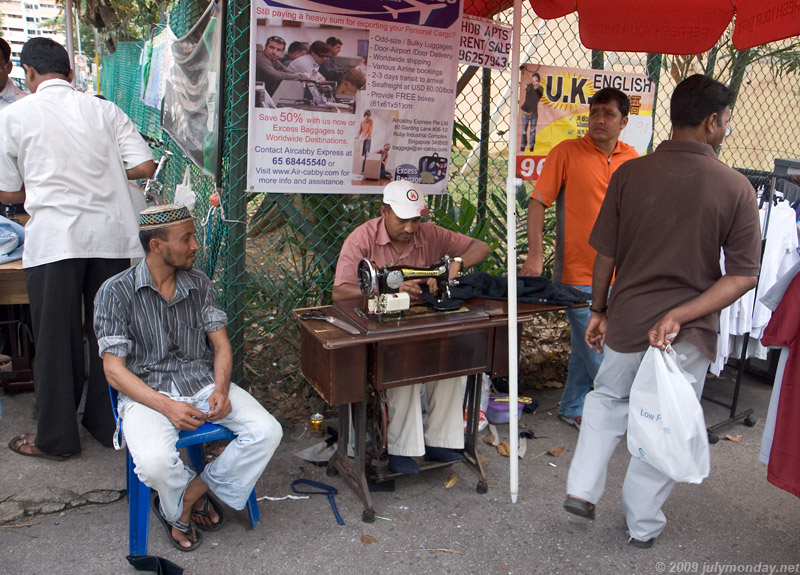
column 70, row 517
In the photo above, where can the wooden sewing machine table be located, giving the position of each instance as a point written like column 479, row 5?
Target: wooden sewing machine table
column 340, row 365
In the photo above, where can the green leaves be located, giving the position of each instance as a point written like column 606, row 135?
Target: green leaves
column 463, row 135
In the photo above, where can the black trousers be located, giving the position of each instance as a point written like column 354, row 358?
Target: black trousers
column 56, row 292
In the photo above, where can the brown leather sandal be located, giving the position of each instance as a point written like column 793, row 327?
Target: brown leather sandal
column 29, row 440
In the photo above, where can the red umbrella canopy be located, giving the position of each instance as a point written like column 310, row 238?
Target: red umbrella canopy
column 667, row 26
column 487, row 8
column 762, row 21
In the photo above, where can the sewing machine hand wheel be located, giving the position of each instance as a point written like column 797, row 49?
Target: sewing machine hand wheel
column 367, row 277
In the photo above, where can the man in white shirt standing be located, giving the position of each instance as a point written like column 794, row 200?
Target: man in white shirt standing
column 9, row 93
column 69, row 156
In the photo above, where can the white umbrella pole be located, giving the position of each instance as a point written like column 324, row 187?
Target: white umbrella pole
column 511, row 240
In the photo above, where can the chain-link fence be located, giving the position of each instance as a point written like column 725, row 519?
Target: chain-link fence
column 276, row 252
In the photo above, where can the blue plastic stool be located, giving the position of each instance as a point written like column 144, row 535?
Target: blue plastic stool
column 139, row 493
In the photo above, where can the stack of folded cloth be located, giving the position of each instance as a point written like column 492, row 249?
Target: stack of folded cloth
column 12, row 236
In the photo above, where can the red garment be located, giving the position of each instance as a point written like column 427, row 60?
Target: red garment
column 784, row 330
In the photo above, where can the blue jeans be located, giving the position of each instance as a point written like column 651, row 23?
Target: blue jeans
column 583, row 362
column 364, row 151
column 528, row 126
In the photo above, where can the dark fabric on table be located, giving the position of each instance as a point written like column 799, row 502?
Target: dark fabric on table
column 530, row 289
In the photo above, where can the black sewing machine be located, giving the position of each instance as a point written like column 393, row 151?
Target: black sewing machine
column 382, row 285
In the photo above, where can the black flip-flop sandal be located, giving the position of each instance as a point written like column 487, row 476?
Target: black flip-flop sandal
column 204, row 512
column 179, row 525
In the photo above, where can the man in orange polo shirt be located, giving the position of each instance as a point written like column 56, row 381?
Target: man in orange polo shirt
column 575, row 176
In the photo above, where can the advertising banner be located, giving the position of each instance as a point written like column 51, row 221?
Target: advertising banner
column 348, row 95
column 484, row 43
column 554, row 106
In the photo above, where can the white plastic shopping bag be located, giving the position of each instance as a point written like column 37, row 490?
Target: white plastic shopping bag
column 666, row 427
column 184, row 194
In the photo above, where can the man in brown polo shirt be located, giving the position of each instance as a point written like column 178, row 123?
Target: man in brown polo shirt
column 661, row 226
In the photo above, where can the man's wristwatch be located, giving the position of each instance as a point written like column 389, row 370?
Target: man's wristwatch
column 603, row 309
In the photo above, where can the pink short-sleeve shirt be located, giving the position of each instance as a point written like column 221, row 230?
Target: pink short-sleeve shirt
column 371, row 240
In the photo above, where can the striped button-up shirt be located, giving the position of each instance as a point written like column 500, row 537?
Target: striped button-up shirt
column 164, row 343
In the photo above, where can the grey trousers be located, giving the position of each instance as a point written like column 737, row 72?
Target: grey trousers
column 605, row 422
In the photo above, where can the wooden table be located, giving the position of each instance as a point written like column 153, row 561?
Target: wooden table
column 12, row 278
column 12, row 284
column 340, row 366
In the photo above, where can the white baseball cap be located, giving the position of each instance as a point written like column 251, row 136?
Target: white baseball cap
column 405, row 199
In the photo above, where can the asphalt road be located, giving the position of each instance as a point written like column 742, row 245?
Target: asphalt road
column 735, row 522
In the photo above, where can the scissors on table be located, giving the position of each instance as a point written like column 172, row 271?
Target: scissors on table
column 322, row 316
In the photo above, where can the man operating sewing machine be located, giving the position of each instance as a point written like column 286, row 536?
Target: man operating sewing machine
column 399, row 237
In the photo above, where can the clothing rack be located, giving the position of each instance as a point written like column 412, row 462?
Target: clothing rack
column 766, row 180
column 783, row 184
column 759, row 178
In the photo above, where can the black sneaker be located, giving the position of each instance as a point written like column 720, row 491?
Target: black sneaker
column 579, row 507
column 641, row 544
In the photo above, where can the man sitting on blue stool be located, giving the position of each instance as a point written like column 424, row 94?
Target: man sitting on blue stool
column 154, row 323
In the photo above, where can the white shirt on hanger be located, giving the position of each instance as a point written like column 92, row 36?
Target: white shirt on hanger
column 746, row 315
column 780, row 254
